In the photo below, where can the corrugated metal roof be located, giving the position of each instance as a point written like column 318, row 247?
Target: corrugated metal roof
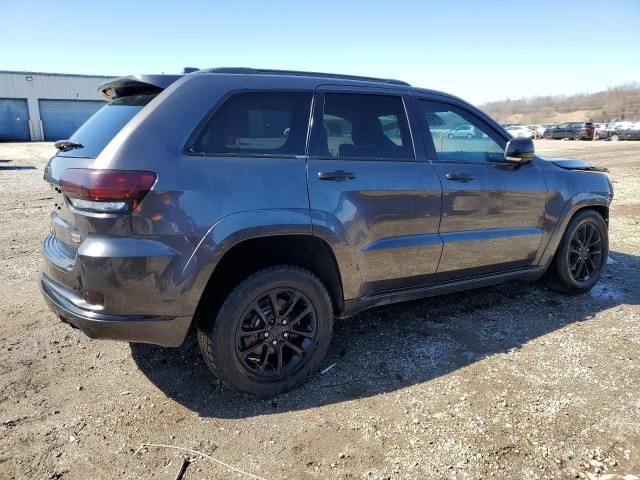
column 79, row 75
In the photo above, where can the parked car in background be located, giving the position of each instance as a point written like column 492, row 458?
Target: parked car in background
column 575, row 130
column 249, row 219
column 623, row 124
column 632, row 133
column 604, row 130
column 611, row 131
column 520, row 131
column 463, row 131
column 538, row 130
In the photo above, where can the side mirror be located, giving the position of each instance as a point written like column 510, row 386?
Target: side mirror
column 519, row 150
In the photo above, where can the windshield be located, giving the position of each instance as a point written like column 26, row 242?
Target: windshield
column 100, row 129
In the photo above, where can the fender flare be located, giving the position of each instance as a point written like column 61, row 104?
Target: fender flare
column 575, row 203
column 238, row 227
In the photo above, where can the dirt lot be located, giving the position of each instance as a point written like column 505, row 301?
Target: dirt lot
column 507, row 382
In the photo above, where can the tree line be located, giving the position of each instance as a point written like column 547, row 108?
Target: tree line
column 620, row 103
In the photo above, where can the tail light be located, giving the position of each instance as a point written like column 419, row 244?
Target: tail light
column 105, row 191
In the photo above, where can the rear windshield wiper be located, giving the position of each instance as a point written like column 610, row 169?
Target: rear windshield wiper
column 66, row 145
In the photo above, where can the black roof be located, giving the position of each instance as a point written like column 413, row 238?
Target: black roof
column 268, row 71
column 145, row 84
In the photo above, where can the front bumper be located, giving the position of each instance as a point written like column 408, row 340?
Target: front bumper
column 165, row 331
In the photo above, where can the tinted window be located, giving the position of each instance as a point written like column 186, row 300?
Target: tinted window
column 257, row 123
column 458, row 136
column 364, row 126
column 100, row 129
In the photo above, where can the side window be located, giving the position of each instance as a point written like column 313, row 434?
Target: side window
column 364, row 126
column 257, row 123
column 458, row 136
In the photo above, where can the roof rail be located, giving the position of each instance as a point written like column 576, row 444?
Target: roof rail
column 268, row 71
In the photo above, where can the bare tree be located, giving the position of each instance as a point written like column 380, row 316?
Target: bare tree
column 616, row 103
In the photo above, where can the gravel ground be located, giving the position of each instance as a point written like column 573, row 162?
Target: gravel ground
column 512, row 381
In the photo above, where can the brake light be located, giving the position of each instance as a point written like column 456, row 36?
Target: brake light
column 105, row 191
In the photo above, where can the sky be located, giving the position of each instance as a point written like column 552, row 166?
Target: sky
column 479, row 50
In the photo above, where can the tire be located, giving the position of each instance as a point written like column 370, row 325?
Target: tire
column 577, row 136
column 561, row 276
column 547, row 136
column 227, row 347
column 450, row 136
column 469, row 136
column 615, row 137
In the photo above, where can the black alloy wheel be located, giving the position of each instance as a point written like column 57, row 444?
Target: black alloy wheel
column 271, row 332
column 581, row 257
column 276, row 332
column 585, row 252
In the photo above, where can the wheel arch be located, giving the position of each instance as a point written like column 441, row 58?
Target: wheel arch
column 250, row 255
column 598, row 205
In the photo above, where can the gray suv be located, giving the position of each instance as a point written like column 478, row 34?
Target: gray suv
column 258, row 205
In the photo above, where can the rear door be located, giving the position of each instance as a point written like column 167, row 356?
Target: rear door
column 492, row 212
column 564, row 131
column 368, row 192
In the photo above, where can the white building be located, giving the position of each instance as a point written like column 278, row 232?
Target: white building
column 46, row 106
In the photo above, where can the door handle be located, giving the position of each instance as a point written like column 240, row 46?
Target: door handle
column 459, row 177
column 336, row 176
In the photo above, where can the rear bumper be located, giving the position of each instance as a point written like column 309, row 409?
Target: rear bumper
column 165, row 331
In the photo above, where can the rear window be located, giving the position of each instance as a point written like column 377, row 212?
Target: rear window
column 257, row 123
column 100, row 129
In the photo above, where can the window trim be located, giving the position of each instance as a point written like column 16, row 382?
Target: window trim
column 187, row 148
column 318, row 112
column 427, row 139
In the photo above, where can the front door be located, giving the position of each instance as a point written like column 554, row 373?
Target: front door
column 368, row 193
column 492, row 212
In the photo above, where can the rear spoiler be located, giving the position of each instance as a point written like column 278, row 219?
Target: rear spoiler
column 135, row 85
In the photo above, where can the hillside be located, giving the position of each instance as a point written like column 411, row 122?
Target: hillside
column 615, row 104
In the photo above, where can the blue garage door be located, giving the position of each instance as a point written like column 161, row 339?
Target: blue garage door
column 14, row 120
column 60, row 118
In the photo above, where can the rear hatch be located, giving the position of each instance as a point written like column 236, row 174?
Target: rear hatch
column 87, row 199
column 587, row 127
column 126, row 96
